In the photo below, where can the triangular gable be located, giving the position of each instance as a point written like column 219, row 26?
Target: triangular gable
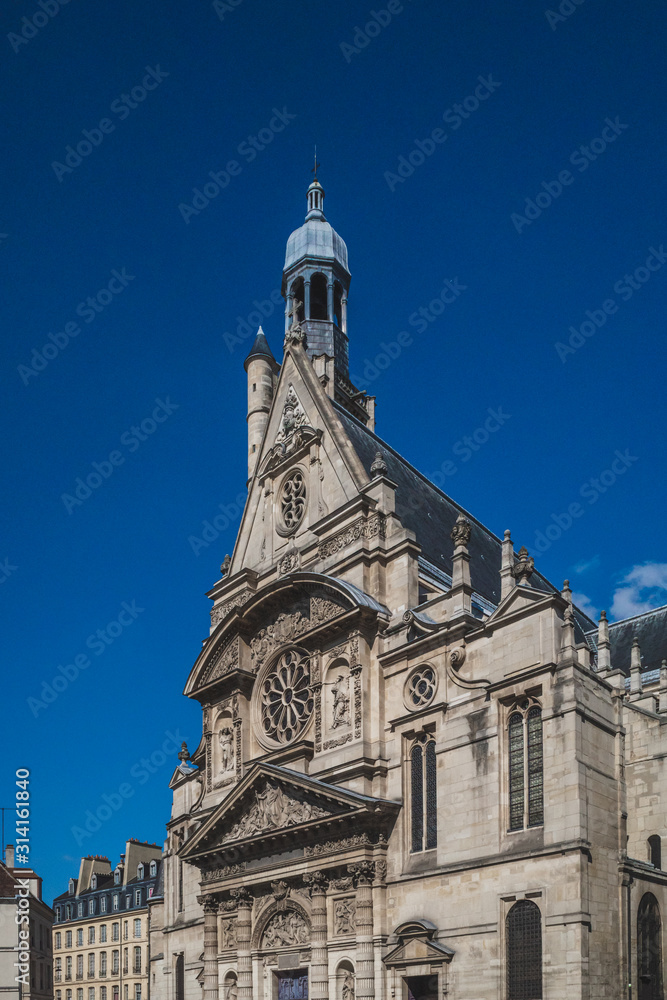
column 273, row 805
column 519, row 599
column 300, row 403
column 418, row 950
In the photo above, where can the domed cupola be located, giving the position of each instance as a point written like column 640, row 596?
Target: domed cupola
column 317, row 279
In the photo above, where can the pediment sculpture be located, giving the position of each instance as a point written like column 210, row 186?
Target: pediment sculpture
column 273, row 809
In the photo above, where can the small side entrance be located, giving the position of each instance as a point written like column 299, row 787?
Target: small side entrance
column 293, row 985
column 422, row 987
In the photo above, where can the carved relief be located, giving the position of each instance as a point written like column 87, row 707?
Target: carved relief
column 227, row 755
column 228, row 932
column 221, row 611
column 344, row 914
column 362, row 528
column 224, row 659
column 285, row 929
column 290, row 562
column 273, row 809
column 212, row 874
column 294, row 416
column 288, row 627
column 355, row 671
column 331, row 846
column 341, row 701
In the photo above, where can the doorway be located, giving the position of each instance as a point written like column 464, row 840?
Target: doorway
column 293, row 985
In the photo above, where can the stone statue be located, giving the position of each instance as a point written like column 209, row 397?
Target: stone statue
column 341, row 702
column 344, row 912
column 347, row 992
column 226, row 737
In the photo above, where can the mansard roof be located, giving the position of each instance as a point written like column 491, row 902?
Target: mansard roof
column 649, row 628
column 431, row 514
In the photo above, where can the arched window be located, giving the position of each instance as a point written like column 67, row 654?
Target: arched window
column 153, row 869
column 318, row 297
column 179, row 978
column 523, row 933
column 655, row 851
column 297, row 292
column 526, row 767
column 649, row 949
column 140, row 871
column 423, row 796
column 338, row 305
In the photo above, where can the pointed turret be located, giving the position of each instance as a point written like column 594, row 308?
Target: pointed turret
column 262, row 369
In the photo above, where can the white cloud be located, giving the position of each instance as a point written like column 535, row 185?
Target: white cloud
column 586, row 564
column 585, row 604
column 640, row 590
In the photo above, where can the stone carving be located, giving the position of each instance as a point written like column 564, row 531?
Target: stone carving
column 295, row 333
column 337, row 651
column 338, row 742
column 363, row 872
column 288, row 627
column 341, row 702
column 228, row 932
column 285, row 929
column 293, row 500
column 457, row 656
column 290, row 562
column 379, row 466
column 280, row 891
column 380, row 871
column 362, row 528
column 347, row 991
column 272, row 809
column 286, row 698
column 347, row 882
column 226, row 565
column 522, row 570
column 294, row 416
column 332, row 846
column 344, row 914
column 212, row 874
column 355, row 671
column 220, row 611
column 460, row 533
column 226, row 738
column 224, row 659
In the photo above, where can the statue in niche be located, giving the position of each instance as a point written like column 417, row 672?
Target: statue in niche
column 344, row 912
column 341, row 702
column 226, row 738
column 347, row 992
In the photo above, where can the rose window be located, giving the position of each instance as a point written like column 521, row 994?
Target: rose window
column 420, row 687
column 293, row 500
column 286, row 701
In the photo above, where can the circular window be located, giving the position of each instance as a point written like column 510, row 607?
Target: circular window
column 420, row 687
column 293, row 500
column 285, row 699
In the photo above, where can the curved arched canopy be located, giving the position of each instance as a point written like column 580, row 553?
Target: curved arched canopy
column 297, row 607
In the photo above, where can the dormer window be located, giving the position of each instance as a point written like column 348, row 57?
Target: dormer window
column 93, row 881
column 116, row 877
column 70, row 888
column 153, row 869
column 140, row 871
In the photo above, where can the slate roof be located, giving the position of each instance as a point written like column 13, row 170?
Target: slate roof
column 259, row 349
column 649, row 628
column 431, row 514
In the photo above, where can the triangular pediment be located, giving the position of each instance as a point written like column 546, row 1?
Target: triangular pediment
column 521, row 598
column 303, row 432
column 273, row 807
column 415, row 951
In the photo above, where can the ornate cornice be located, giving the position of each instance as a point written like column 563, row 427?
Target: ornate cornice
column 361, row 528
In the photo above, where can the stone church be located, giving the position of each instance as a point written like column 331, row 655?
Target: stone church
column 423, row 773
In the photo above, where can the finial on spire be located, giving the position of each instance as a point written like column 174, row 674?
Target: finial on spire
column 314, row 170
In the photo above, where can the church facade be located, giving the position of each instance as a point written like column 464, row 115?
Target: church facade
column 423, row 772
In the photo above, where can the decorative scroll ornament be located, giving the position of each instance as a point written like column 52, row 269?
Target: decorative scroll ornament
column 272, row 809
column 221, row 611
column 285, row 929
column 522, row 570
column 457, row 656
column 223, row 660
column 460, row 533
column 362, row 528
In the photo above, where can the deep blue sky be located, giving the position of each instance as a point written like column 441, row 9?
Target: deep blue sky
column 67, row 574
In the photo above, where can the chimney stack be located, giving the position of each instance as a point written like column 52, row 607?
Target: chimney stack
column 9, row 855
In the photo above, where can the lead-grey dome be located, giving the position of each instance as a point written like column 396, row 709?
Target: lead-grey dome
column 315, row 238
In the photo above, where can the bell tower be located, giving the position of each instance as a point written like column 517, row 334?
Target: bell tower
column 316, row 282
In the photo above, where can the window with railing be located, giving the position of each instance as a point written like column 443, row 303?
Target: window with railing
column 103, row 933
column 91, row 964
column 115, row 963
column 137, row 927
column 103, row 963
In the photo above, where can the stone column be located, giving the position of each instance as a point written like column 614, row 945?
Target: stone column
column 363, row 873
column 344, row 316
column 243, row 953
column 330, row 301
column 306, row 299
column 319, row 955
column 210, row 905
